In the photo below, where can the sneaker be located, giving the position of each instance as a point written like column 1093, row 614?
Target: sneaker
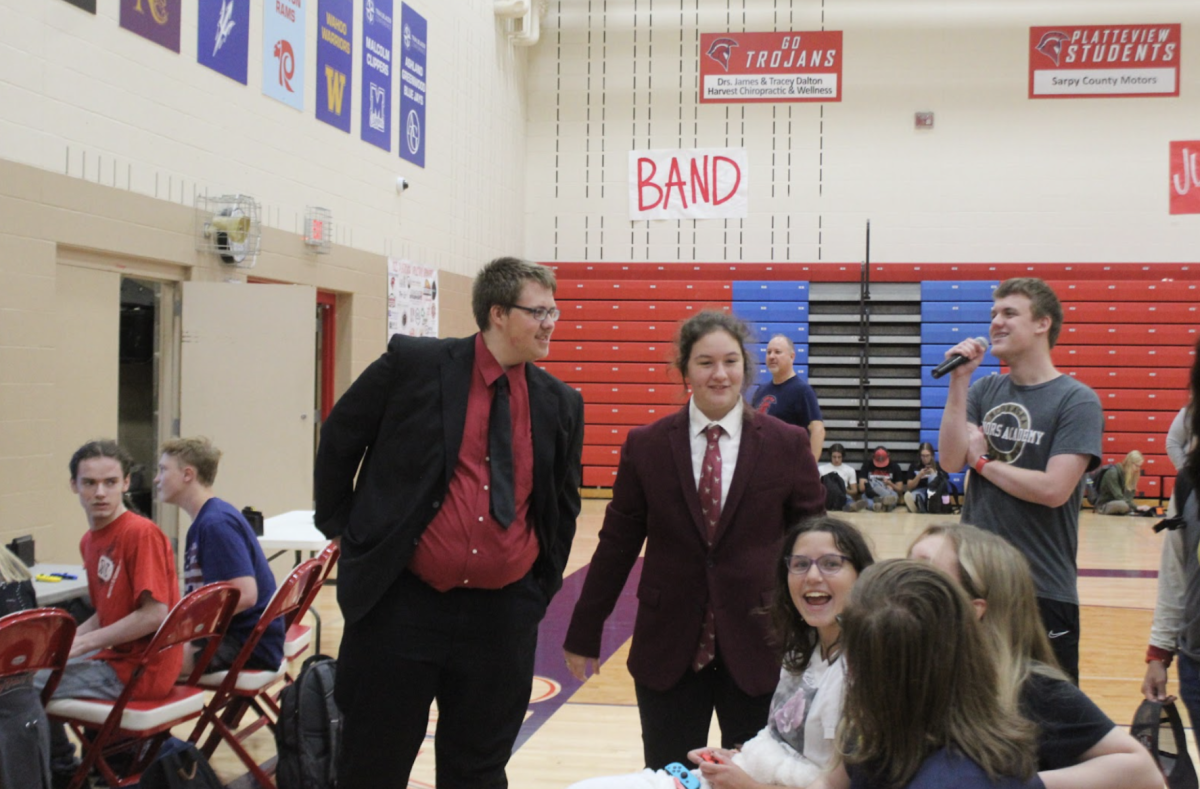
column 860, row 505
column 891, row 500
column 879, row 506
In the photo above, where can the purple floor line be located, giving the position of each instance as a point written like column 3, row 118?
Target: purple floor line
column 1118, row 573
column 549, row 661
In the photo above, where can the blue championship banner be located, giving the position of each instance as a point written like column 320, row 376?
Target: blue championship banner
column 413, row 35
column 223, row 37
column 335, row 58
column 377, row 73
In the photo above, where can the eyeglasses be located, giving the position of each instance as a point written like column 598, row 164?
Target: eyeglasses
column 540, row 313
column 829, row 564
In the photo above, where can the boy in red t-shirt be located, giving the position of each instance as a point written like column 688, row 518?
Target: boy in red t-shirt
column 132, row 582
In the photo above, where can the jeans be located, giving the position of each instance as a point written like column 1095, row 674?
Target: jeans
column 1189, row 686
column 81, row 679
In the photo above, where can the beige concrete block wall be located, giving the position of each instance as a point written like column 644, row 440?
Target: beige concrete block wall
column 81, row 96
column 1000, row 177
column 64, row 246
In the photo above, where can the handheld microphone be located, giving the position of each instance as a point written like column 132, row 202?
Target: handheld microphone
column 957, row 360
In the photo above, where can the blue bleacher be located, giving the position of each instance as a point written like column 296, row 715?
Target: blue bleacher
column 760, row 354
column 770, row 290
column 771, row 311
column 948, row 334
column 764, row 374
column 964, row 290
column 796, row 332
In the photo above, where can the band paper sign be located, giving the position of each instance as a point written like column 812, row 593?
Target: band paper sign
column 696, row 183
column 1103, row 61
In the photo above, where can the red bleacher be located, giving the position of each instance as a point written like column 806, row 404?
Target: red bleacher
column 1130, row 330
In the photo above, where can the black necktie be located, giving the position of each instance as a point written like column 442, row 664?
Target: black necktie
column 503, row 508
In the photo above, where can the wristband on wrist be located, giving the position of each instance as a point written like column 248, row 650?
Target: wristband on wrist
column 1160, row 654
column 980, row 462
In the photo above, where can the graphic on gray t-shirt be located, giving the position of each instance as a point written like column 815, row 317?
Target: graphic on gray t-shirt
column 1025, row 426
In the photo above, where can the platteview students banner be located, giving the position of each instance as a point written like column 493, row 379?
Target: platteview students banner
column 1103, row 61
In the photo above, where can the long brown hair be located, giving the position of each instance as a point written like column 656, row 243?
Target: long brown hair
column 796, row 638
column 991, row 569
column 920, row 678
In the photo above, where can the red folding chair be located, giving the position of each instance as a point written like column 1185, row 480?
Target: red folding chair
column 35, row 640
column 239, row 689
column 300, row 635
column 105, row 728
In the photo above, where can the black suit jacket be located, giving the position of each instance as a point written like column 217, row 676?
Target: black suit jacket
column 775, row 484
column 403, row 420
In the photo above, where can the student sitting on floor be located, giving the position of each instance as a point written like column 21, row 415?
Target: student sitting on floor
column 1118, row 485
column 849, row 476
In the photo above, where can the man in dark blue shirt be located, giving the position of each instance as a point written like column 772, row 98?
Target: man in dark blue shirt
column 220, row 546
column 787, row 397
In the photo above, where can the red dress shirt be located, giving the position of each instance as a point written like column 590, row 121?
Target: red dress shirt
column 463, row 544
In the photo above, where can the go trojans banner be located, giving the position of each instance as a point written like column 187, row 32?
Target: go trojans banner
column 693, row 183
column 761, row 68
column 1104, row 61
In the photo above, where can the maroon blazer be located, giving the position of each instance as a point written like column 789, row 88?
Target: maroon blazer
column 775, row 483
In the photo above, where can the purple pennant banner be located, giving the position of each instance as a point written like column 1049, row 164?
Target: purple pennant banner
column 157, row 20
column 335, row 58
column 377, row 73
column 223, row 37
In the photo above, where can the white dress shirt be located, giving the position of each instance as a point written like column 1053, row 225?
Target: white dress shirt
column 729, row 442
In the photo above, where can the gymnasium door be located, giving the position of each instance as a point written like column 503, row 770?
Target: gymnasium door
column 247, row 381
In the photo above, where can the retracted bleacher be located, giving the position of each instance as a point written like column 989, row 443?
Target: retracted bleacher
column 1129, row 332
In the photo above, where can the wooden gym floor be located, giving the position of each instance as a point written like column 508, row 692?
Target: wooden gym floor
column 575, row 731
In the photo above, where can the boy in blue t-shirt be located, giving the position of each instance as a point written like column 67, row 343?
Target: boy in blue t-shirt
column 220, row 546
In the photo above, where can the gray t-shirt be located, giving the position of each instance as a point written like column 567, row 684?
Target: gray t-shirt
column 1026, row 426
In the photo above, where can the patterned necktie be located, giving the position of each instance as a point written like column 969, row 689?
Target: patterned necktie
column 710, row 507
column 503, row 505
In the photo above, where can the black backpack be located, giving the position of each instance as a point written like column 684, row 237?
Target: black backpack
column 937, row 501
column 835, row 491
column 1159, row 728
column 309, row 734
column 1091, row 483
column 24, row 739
column 181, row 767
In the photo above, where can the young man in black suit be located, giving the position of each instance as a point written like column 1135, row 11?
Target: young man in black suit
column 454, row 534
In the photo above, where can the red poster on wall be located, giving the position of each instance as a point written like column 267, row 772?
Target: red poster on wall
column 1185, row 177
column 1103, row 61
column 770, row 68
